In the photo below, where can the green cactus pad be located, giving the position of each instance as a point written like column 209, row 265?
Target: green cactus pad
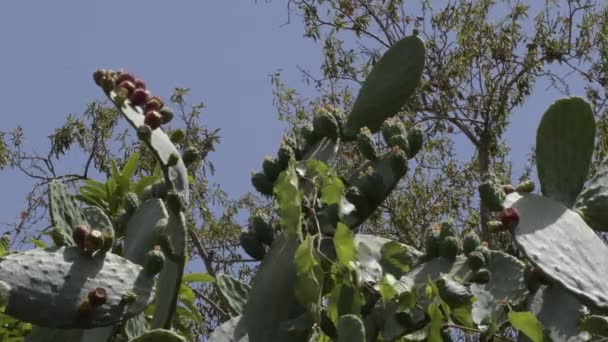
column 234, row 292
column 326, row 125
column 135, row 326
column 470, row 242
column 271, row 298
column 558, row 311
column 159, row 335
column 506, row 283
column 64, row 210
column 162, row 147
column 170, row 278
column 56, row 280
column 351, row 329
column 252, row 246
column 233, row 330
column 564, row 145
column 559, row 242
column 369, row 255
column 263, row 229
column 592, row 202
column 388, row 86
column 41, row 334
column 143, row 230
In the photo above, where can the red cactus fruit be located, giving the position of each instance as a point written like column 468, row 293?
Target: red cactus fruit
column 139, row 97
column 154, row 103
column 97, row 296
column 125, row 76
column 509, row 217
column 128, row 86
column 80, row 234
column 94, row 241
column 153, row 119
column 139, row 84
column 508, row 188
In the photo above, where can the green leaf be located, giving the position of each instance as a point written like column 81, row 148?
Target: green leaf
column 198, row 278
column 308, row 287
column 527, row 323
column 331, row 185
column 289, row 199
column 386, row 289
column 395, row 259
column 564, row 146
column 436, row 318
column 36, row 242
column 345, row 244
column 143, row 182
column 129, row 169
column 186, row 294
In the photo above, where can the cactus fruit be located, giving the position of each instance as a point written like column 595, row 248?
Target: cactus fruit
column 127, row 87
column 525, row 186
column 94, row 241
column 415, row 138
column 431, row 246
column 476, row 260
column 470, row 242
column 263, row 229
column 154, row 103
column 125, row 77
column 284, row 155
column 153, row 119
column 271, row 168
column 399, row 161
column 448, row 248
column 508, row 188
column 191, row 155
column 481, row 276
column 366, row 144
column 393, row 127
column 154, row 262
column 144, row 132
column 252, row 245
column 166, row 114
column 491, row 193
column 447, row 230
column 139, row 97
column 139, row 84
column 325, row 125
column 496, row 226
column 97, row 296
column 80, row 234
column 509, row 217
column 261, row 183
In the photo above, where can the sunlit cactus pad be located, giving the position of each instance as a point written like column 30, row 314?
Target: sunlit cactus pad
column 47, row 287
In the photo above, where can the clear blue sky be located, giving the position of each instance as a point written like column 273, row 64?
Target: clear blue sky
column 222, row 50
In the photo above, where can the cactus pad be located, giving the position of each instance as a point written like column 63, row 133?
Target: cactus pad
column 369, row 255
column 559, row 242
column 558, row 311
column 65, row 213
column 143, row 230
column 159, row 335
column 234, row 292
column 564, row 145
column 592, row 202
column 351, row 329
column 56, row 280
column 232, row 330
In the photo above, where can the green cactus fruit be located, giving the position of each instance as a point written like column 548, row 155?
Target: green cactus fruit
column 415, row 137
column 496, row 226
column 481, row 276
column 263, row 229
column 131, row 203
column 399, row 161
column 366, row 144
column 166, row 115
column 296, row 145
column 476, row 260
column 483, row 249
column 392, row 127
column 491, row 193
column 470, row 242
column 449, row 248
column 191, row 155
column 262, row 184
column 173, row 160
column 271, row 168
column 431, row 246
column 252, row 245
column 154, row 262
column 525, row 186
column 447, row 230
column 388, row 86
column 284, row 155
column 325, row 124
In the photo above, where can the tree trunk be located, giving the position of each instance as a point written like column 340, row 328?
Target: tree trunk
column 483, row 160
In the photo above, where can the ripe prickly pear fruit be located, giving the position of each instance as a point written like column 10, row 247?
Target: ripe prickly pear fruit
column 271, row 168
column 470, row 242
column 154, row 262
column 449, row 248
column 491, row 193
column 131, row 203
column 153, row 119
column 139, row 84
column 191, row 155
column 167, row 114
column 127, row 86
column 285, row 154
column 476, row 260
column 94, row 241
column 508, row 189
column 97, row 296
column 153, row 103
column 509, row 218
column 252, row 245
column 325, row 125
column 415, row 137
column 125, row 77
column 496, row 226
column 525, row 186
column 366, row 144
column 482, row 276
column 262, row 228
column 447, row 230
column 262, row 184
column 139, row 97
column 80, row 234
column 431, row 246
